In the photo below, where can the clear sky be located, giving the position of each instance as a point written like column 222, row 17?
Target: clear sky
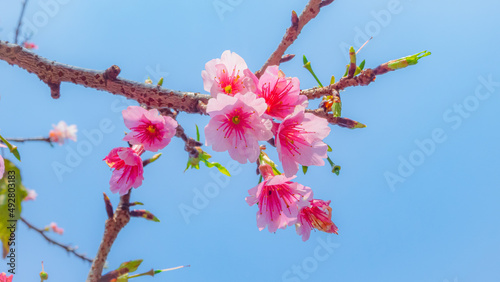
column 430, row 130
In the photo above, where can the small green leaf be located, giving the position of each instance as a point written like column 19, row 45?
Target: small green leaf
column 307, row 65
column 304, row 169
column 121, row 273
column 362, row 65
column 12, row 148
column 332, row 80
column 160, row 82
column 336, row 169
column 197, row 133
column 222, row 169
column 329, row 148
column 144, row 214
column 407, row 61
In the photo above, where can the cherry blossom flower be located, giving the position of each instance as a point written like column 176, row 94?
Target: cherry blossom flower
column 2, row 164
column 5, row 278
column 128, row 170
column 226, row 75
column 299, row 141
column 30, row 45
column 318, row 214
column 31, row 195
column 56, row 228
column 61, row 132
column 236, row 126
column 278, row 200
column 281, row 93
column 149, row 128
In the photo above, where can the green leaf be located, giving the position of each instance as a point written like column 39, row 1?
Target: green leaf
column 197, row 133
column 160, row 82
column 407, row 61
column 332, row 80
column 329, row 148
column 144, row 214
column 304, row 169
column 121, row 273
column 307, row 65
column 10, row 202
column 12, row 148
column 222, row 169
column 362, row 65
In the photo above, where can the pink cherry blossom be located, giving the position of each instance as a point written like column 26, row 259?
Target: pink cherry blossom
column 5, row 278
column 31, row 195
column 281, row 93
column 30, row 45
column 61, row 132
column 299, row 141
column 318, row 214
column 2, row 163
column 149, row 128
column 128, row 170
column 278, row 200
column 236, row 126
column 226, row 75
column 56, row 228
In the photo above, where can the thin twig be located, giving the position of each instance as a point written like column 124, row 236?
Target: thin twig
column 311, row 11
column 20, row 22
column 22, row 140
column 69, row 249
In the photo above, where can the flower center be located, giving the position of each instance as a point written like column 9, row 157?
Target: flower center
column 228, row 89
column 236, row 119
column 151, row 129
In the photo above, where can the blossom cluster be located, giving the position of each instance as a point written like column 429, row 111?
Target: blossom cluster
column 150, row 131
column 244, row 110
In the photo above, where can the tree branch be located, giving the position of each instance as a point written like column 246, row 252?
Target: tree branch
column 311, row 11
column 22, row 140
column 112, row 227
column 53, row 73
column 69, row 249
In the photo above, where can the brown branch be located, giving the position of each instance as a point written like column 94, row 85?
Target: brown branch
column 112, row 227
column 20, row 22
column 53, row 73
column 310, row 12
column 68, row 248
column 22, row 140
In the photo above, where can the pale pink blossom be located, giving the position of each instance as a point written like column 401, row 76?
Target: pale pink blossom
column 56, row 228
column 128, row 170
column 281, row 93
column 277, row 198
column 2, row 163
column 226, row 75
column 30, row 45
column 31, row 195
column 5, row 278
column 149, row 128
column 61, row 132
column 299, row 141
column 316, row 215
column 236, row 125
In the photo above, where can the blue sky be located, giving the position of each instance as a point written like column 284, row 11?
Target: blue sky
column 438, row 222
